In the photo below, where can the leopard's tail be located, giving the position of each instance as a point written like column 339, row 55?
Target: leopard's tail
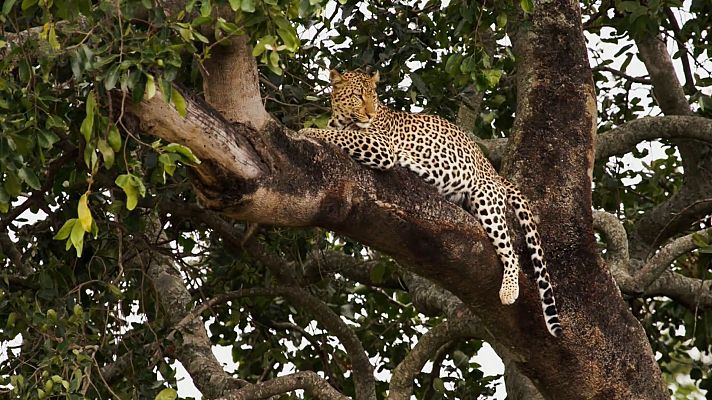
column 526, row 220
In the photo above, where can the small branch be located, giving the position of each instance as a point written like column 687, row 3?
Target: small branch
column 315, row 344
column 10, row 250
column 636, row 79
column 689, row 80
column 616, row 239
column 624, row 138
column 692, row 293
column 309, row 381
column 431, row 299
column 663, row 259
column 401, row 386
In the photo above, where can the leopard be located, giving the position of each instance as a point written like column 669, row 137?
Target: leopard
column 444, row 156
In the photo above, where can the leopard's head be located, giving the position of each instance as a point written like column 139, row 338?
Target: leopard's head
column 353, row 99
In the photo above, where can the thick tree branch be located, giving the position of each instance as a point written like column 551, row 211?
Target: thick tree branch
column 205, row 132
column 231, row 83
column 309, row 381
column 624, row 138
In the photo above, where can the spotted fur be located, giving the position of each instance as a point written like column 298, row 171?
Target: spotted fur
column 444, row 156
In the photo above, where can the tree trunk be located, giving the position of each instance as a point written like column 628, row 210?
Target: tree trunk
column 551, row 157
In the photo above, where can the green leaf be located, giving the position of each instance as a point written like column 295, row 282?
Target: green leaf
column 439, row 385
column 84, row 213
column 273, row 63
column 492, row 77
column 234, row 4
column 12, row 184
column 262, row 44
column 88, row 123
column 111, row 77
column 28, row 176
column 178, row 102
column 106, row 152
column 150, row 87
column 248, row 6
column 52, row 38
column 700, row 240
column 378, row 272
column 169, row 165
column 167, row 394
column 65, row 230
column 501, row 20
column 77, row 238
column 46, row 139
column 27, row 4
column 7, row 6
column 527, row 6
column 205, row 8
column 132, row 186
column 114, row 138
column 183, row 151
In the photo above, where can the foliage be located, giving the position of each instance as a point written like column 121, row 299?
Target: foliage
column 78, row 189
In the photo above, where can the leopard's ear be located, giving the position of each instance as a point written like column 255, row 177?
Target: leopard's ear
column 335, row 77
column 375, row 77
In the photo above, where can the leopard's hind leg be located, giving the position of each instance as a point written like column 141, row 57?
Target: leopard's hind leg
column 487, row 203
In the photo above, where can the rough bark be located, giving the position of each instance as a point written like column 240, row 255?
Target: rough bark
column 551, row 158
column 231, row 83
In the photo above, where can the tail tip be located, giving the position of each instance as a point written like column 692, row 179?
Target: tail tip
column 556, row 330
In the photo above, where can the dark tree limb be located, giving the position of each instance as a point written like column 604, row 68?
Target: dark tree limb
column 621, row 74
column 689, row 85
